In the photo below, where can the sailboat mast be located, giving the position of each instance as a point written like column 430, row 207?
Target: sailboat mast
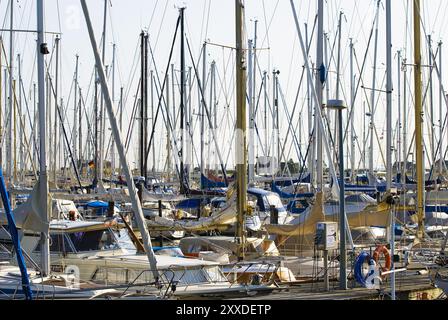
column 338, row 85
column 431, row 101
column 43, row 179
column 1, row 106
column 56, row 109
column 400, row 124
column 152, row 118
column 389, row 133
column 204, row 87
column 441, row 160
column 418, row 118
column 251, row 112
column 182, row 99
column 102, row 113
column 372, row 97
column 142, row 103
column 112, row 152
column 352, row 120
column 319, row 88
column 145, row 108
column 405, row 122
column 11, row 105
column 75, row 111
column 254, row 96
column 389, row 89
column 21, row 158
column 241, row 164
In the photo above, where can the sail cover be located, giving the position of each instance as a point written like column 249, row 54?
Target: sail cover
column 30, row 216
column 376, row 215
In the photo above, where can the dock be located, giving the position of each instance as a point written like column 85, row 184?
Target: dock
column 410, row 286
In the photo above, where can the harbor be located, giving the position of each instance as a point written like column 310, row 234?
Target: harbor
column 240, row 151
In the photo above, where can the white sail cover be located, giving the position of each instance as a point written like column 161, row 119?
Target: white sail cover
column 152, row 196
column 30, row 216
column 225, row 217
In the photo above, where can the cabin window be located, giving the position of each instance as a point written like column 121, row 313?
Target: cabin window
column 196, row 276
column 57, row 244
column 188, row 276
column 120, row 276
column 93, row 240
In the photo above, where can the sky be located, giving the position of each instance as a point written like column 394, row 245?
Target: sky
column 213, row 21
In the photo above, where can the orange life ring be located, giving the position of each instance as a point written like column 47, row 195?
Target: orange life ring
column 376, row 256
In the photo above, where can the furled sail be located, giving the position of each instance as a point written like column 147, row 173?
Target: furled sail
column 30, row 216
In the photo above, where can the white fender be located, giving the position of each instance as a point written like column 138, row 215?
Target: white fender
column 73, row 275
column 373, row 281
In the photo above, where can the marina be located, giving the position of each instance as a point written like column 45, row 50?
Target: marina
column 243, row 150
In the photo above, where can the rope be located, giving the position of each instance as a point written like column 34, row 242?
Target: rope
column 360, row 260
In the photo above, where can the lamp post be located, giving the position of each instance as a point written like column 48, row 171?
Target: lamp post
column 339, row 105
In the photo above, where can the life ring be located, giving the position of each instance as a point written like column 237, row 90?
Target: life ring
column 376, row 256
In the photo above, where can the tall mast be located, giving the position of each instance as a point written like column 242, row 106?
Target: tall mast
column 55, row 132
column 15, row 136
column 43, row 179
column 75, row 111
column 182, row 99
column 389, row 89
column 80, row 157
column 265, row 113
column 241, row 163
column 254, row 95
column 440, row 112
column 145, row 108
column 352, row 118
column 204, row 87
column 338, row 84
column 372, row 97
column 418, row 119
column 21, row 157
column 431, row 100
column 102, row 113
column 389, row 149
column 188, row 148
column 310, row 160
column 405, row 122
column 251, row 112
column 96, row 131
column 152, row 119
column 319, row 89
column 121, row 117
column 168, row 136
column 1, row 106
column 11, row 95
column 400, row 124
column 142, row 103
column 112, row 152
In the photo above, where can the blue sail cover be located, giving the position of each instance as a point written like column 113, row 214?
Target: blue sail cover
column 190, row 204
column 359, row 188
column 209, row 184
column 285, row 195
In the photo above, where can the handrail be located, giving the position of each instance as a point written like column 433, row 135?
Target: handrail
column 131, row 284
